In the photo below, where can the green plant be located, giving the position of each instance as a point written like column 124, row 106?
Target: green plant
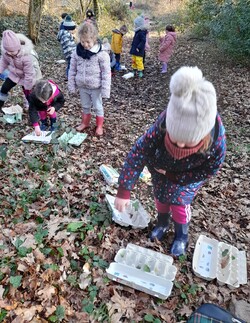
column 59, row 314
column 151, row 318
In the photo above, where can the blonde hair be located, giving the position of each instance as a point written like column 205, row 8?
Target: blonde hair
column 87, row 29
column 207, row 142
column 43, row 90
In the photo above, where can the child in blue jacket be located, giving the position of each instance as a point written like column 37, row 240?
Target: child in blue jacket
column 138, row 46
column 182, row 150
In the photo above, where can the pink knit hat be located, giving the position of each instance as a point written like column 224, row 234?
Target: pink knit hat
column 10, row 41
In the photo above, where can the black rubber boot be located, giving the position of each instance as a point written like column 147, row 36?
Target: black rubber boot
column 161, row 227
column 52, row 124
column 180, row 240
column 44, row 125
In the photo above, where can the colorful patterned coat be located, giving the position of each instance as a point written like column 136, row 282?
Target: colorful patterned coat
column 183, row 177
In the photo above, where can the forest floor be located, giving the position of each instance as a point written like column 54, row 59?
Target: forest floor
column 56, row 233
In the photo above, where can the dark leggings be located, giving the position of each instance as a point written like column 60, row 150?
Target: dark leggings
column 117, row 57
column 7, row 86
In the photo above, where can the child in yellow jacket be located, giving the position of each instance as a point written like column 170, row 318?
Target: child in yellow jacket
column 116, row 44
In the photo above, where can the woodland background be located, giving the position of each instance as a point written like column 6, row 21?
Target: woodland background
column 56, row 233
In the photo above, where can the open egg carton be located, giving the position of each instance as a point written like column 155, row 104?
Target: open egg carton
column 214, row 259
column 134, row 215
column 143, row 269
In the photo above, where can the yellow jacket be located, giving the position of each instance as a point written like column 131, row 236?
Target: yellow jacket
column 116, row 41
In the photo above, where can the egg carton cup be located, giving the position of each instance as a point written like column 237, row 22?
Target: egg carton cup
column 134, row 214
column 214, row 259
column 143, row 269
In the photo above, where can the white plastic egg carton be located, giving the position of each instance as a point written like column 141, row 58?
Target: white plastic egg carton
column 214, row 259
column 134, row 215
column 143, row 269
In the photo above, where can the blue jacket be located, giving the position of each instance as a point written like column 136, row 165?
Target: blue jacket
column 138, row 43
column 183, row 177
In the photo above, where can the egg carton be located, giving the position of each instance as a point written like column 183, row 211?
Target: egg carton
column 75, row 139
column 109, row 173
column 214, row 259
column 134, row 214
column 143, row 269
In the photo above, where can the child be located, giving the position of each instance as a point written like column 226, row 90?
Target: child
column 66, row 38
column 63, row 16
column 44, row 101
column 138, row 46
column 116, row 44
column 106, row 46
column 182, row 150
column 90, row 72
column 17, row 58
column 166, row 47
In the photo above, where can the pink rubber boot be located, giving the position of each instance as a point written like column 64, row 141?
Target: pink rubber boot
column 99, row 124
column 85, row 122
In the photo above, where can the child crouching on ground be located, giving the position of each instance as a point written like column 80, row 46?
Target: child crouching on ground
column 18, row 60
column 183, row 149
column 44, row 101
column 90, row 73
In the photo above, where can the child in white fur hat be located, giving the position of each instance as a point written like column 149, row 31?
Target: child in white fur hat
column 182, row 150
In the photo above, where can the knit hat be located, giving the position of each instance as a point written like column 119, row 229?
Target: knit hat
column 68, row 23
column 89, row 13
column 139, row 22
column 10, row 41
column 192, row 108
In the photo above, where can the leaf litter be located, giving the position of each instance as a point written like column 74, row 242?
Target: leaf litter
column 46, row 190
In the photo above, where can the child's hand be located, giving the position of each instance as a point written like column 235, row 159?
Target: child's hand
column 37, row 131
column 51, row 110
column 120, row 204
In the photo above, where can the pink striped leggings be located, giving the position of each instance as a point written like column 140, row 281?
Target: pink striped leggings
column 180, row 213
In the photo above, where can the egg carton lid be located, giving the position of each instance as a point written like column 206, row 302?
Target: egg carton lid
column 138, row 219
column 207, row 261
column 146, row 282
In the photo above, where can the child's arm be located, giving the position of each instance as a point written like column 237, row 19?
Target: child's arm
column 142, row 43
column 104, row 62
column 143, row 150
column 165, row 43
column 72, row 73
column 3, row 64
column 29, row 72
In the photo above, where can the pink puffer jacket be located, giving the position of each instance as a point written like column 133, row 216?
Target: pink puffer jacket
column 166, row 46
column 20, row 67
column 93, row 73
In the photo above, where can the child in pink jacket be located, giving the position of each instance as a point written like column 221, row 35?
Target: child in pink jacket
column 17, row 58
column 167, row 44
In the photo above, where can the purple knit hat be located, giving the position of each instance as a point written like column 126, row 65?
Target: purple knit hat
column 10, row 41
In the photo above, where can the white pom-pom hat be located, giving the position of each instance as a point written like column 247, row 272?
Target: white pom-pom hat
column 192, row 108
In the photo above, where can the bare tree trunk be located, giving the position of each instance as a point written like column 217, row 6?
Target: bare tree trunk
column 34, row 19
column 96, row 9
